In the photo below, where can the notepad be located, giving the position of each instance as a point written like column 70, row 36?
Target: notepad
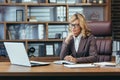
column 81, row 65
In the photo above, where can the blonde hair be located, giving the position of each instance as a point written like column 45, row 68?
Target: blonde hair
column 85, row 31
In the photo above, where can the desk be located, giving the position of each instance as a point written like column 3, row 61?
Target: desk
column 6, row 69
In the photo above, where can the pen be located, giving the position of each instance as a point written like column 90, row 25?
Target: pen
column 110, row 65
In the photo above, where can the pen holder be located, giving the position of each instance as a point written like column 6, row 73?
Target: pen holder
column 117, row 58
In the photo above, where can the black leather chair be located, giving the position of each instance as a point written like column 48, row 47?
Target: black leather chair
column 102, row 32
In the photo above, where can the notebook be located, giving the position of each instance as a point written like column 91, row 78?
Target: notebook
column 87, row 65
column 63, row 62
column 18, row 55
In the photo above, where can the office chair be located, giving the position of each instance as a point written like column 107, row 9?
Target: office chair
column 102, row 32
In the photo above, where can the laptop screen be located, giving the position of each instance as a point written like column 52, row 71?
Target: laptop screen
column 17, row 53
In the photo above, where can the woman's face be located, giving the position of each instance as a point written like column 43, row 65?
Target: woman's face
column 75, row 28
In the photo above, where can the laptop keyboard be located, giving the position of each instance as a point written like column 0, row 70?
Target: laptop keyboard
column 34, row 63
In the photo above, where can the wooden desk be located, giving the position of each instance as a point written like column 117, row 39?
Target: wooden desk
column 6, row 69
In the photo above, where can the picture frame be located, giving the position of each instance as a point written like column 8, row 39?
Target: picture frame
column 94, row 16
column 49, row 50
column 19, row 15
column 64, row 34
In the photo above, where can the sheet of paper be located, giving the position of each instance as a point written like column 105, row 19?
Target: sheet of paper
column 104, row 63
column 80, row 65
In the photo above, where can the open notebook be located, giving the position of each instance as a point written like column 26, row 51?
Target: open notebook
column 18, row 55
column 74, row 65
column 63, row 62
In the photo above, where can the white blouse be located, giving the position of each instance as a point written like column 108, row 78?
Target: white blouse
column 77, row 41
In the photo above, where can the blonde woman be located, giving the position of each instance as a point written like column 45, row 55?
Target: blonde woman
column 80, row 45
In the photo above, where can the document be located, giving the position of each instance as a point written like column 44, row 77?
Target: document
column 109, row 64
column 63, row 62
column 88, row 65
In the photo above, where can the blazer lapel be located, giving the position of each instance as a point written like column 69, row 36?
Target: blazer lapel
column 73, row 48
column 82, row 44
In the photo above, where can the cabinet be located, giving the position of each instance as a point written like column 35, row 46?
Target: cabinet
column 116, row 19
column 115, row 25
column 43, row 24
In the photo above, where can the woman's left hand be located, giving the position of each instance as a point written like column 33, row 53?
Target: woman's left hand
column 71, row 59
column 74, row 60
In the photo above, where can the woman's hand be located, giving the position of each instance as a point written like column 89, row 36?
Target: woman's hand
column 71, row 59
column 70, row 35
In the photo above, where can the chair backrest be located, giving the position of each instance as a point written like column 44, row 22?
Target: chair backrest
column 102, row 32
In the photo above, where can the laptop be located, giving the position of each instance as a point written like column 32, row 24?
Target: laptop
column 18, row 55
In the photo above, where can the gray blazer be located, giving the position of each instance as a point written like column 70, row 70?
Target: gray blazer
column 87, row 51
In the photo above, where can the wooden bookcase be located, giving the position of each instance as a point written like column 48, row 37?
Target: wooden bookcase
column 42, row 24
column 115, row 19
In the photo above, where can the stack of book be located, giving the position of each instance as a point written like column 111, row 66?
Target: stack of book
column 40, row 31
column 41, row 13
column 61, row 13
column 33, row 1
column 34, row 31
column 73, row 10
column 56, row 29
column 63, row 1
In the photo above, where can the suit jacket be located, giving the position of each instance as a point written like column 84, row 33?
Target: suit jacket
column 87, row 51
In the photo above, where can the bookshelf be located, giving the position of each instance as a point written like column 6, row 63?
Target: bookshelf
column 42, row 24
column 115, row 25
column 115, row 19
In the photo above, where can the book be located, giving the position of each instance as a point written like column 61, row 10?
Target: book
column 40, row 31
column 57, row 47
column 3, row 51
column 61, row 13
column 71, row 1
column 41, row 50
column 61, row 1
column 52, row 1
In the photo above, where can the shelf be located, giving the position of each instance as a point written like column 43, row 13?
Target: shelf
column 43, row 24
column 87, row 4
column 44, row 4
column 23, row 22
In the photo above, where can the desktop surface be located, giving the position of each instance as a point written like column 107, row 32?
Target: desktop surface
column 6, row 69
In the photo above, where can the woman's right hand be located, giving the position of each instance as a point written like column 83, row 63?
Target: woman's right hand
column 68, row 38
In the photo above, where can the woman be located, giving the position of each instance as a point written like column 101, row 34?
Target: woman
column 80, row 45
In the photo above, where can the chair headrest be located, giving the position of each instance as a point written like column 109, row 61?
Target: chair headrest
column 100, row 29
